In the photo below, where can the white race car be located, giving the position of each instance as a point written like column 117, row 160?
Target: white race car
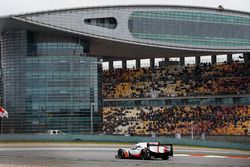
column 146, row 150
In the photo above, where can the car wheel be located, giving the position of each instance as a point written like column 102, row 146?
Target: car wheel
column 165, row 157
column 120, row 153
column 145, row 154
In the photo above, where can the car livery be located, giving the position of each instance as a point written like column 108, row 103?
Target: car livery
column 146, row 150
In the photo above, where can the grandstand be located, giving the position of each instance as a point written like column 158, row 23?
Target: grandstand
column 51, row 75
column 228, row 82
column 232, row 78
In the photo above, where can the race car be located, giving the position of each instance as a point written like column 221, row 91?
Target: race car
column 146, row 150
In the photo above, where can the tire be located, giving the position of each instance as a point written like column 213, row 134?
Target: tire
column 145, row 154
column 120, row 153
column 165, row 157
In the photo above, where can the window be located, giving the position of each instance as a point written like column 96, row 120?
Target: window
column 109, row 22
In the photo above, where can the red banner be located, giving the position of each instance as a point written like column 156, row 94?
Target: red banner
column 3, row 112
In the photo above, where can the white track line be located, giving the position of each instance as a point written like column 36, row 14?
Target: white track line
column 215, row 156
column 210, row 151
column 181, row 155
column 58, row 149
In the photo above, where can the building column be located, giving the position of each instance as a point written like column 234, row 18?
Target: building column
column 197, row 60
column 137, row 63
column 246, row 58
column 182, row 61
column 152, row 63
column 167, row 60
column 213, row 59
column 229, row 58
column 111, row 65
column 124, row 64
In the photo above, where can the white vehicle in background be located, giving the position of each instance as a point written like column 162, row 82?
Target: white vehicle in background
column 146, row 150
column 55, row 132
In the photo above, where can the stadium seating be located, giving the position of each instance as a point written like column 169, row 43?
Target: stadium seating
column 213, row 120
column 223, row 79
column 176, row 81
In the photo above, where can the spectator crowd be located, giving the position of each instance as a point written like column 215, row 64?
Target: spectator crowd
column 206, row 79
column 176, row 81
column 211, row 120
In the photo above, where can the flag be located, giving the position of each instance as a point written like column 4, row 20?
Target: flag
column 3, row 112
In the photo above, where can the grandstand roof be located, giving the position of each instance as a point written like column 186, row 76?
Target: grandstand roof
column 143, row 31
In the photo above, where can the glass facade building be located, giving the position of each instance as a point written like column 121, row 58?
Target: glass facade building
column 191, row 28
column 49, row 83
column 170, row 27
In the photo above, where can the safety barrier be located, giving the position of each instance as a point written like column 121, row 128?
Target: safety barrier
column 126, row 139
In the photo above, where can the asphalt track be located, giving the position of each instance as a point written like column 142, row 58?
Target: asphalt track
column 94, row 155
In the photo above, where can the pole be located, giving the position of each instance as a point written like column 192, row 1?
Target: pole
column 1, row 125
column 192, row 131
column 92, row 105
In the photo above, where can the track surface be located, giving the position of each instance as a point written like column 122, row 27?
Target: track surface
column 90, row 155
